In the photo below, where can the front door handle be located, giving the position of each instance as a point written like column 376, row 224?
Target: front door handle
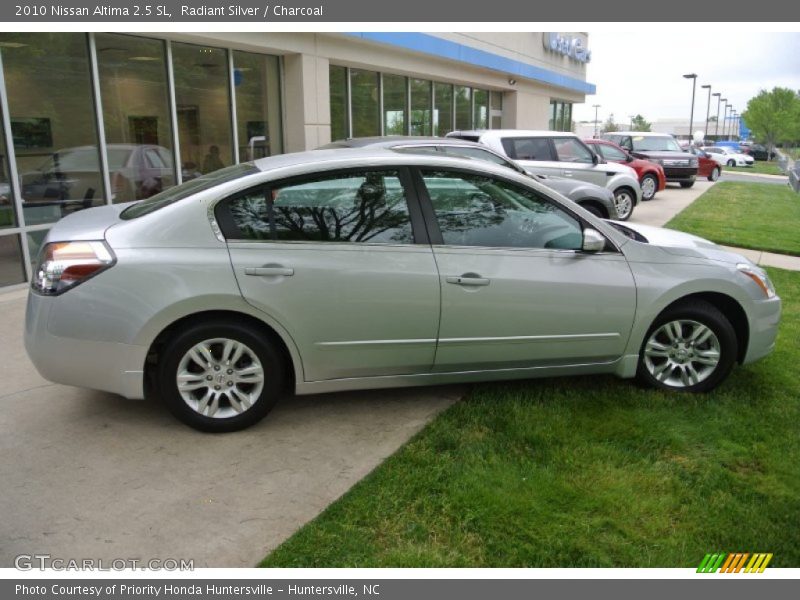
column 467, row 280
column 567, row 173
column 269, row 271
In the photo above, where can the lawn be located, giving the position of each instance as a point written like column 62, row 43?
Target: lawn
column 761, row 216
column 584, row 472
column 760, row 166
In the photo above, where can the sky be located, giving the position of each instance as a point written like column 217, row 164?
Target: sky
column 641, row 73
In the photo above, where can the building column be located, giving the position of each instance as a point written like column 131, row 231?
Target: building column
column 307, row 97
column 525, row 110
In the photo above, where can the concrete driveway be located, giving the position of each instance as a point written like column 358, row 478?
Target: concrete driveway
column 91, row 475
column 668, row 203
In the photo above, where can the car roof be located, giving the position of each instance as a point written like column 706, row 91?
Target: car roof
column 499, row 133
column 391, row 141
column 642, row 133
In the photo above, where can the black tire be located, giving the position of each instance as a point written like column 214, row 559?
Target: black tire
column 709, row 316
column 270, row 358
column 687, row 184
column 731, row 163
column 625, row 202
column 649, row 178
column 715, row 173
column 594, row 209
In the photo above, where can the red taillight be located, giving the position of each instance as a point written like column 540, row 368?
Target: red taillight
column 63, row 265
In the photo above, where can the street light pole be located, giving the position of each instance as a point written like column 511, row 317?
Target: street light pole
column 693, row 77
column 631, row 118
column 708, row 108
column 595, row 106
column 719, row 99
column 734, row 124
column 725, row 121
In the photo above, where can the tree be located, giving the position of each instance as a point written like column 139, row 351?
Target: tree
column 774, row 116
column 610, row 125
column 638, row 123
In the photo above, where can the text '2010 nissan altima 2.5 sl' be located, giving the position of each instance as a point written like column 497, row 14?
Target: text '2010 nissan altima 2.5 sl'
column 352, row 269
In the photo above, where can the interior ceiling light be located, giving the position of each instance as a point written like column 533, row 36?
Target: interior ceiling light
column 143, row 58
column 12, row 45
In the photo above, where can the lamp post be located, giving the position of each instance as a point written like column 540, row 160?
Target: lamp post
column 728, row 121
column 723, row 119
column 716, row 127
column 693, row 77
column 595, row 106
column 708, row 108
column 734, row 124
column 631, row 118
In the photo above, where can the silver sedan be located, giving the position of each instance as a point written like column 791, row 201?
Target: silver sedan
column 351, row 269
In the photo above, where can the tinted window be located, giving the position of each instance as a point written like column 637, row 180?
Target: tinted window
column 528, row 148
column 571, row 150
column 655, row 143
column 364, row 206
column 479, row 154
column 610, row 153
column 473, row 210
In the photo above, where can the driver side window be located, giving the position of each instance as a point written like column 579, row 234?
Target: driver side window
column 475, row 210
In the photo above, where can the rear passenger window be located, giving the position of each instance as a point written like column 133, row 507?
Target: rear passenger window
column 364, row 206
column 528, row 148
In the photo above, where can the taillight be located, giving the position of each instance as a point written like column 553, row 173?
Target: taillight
column 63, row 265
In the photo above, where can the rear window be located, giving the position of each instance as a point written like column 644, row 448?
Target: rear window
column 521, row 148
column 179, row 192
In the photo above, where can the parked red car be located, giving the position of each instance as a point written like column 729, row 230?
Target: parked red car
column 706, row 166
column 651, row 175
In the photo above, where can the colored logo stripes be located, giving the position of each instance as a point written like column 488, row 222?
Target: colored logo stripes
column 734, row 562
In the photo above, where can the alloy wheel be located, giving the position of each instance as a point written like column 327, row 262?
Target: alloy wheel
column 623, row 201
column 682, row 353
column 648, row 188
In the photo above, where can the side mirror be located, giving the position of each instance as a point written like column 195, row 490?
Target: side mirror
column 595, row 159
column 628, row 157
column 593, row 240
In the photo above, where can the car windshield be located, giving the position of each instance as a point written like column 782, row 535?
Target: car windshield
column 648, row 143
column 200, row 184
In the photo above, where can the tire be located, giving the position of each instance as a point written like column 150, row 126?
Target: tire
column 249, row 399
column 669, row 360
column 624, row 200
column 687, row 184
column 649, row 186
column 714, row 175
column 594, row 209
column 731, row 163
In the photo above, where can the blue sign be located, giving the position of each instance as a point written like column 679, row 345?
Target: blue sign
column 744, row 131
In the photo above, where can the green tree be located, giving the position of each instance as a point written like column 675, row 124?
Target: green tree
column 774, row 116
column 610, row 125
column 638, row 123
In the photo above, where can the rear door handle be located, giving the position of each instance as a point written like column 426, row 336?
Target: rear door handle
column 269, row 271
column 475, row 281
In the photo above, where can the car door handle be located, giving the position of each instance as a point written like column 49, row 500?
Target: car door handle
column 467, row 280
column 269, row 271
column 567, row 173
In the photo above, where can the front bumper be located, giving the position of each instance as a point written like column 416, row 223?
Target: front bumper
column 764, row 321
column 679, row 174
column 101, row 365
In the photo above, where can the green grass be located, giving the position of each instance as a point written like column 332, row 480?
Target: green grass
column 760, row 167
column 760, row 216
column 584, row 472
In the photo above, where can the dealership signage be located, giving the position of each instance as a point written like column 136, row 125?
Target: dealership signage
column 572, row 47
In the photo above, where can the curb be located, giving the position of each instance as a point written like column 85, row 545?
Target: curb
column 746, row 174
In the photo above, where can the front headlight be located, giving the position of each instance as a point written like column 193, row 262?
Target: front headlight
column 759, row 276
column 693, row 162
column 658, row 161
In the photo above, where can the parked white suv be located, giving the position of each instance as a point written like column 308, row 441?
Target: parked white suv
column 562, row 154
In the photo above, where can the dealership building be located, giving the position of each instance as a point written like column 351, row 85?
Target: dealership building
column 91, row 119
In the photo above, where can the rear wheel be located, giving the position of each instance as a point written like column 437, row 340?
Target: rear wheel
column 649, row 186
column 623, row 202
column 594, row 209
column 220, row 376
column 689, row 348
column 714, row 175
column 731, row 163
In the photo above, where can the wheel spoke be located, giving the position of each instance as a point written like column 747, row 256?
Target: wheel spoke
column 656, row 349
column 685, row 380
column 239, row 400
column 191, row 381
column 673, row 331
column 662, row 372
column 203, row 404
column 213, row 406
column 250, row 374
column 700, row 334
column 691, row 373
column 707, row 357
column 201, row 356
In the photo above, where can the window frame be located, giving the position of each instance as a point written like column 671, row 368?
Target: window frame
column 547, row 139
column 233, row 235
column 435, row 233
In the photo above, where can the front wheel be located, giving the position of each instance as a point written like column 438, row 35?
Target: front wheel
column 220, row 376
column 649, row 186
column 623, row 202
column 687, row 184
column 714, row 175
column 689, row 348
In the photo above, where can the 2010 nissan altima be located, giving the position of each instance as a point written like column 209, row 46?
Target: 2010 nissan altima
column 350, row 269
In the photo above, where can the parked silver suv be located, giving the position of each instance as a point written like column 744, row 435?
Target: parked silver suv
column 349, row 269
column 562, row 154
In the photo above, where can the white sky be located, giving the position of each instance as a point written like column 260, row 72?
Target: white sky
column 642, row 72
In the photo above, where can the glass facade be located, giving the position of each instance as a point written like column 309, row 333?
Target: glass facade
column 387, row 104
column 167, row 112
column 560, row 116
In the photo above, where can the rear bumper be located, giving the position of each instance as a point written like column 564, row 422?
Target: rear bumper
column 101, row 365
column 764, row 320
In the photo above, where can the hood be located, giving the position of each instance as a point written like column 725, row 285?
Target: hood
column 88, row 224
column 662, row 154
column 684, row 244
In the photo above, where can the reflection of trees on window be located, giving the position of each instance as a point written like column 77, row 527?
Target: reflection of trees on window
column 365, row 207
